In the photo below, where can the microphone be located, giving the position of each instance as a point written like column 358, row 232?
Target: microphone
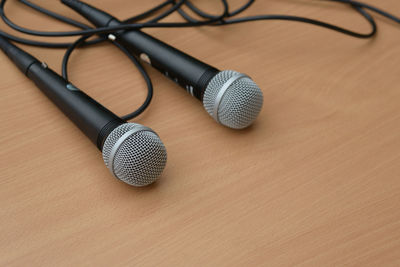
column 133, row 153
column 231, row 98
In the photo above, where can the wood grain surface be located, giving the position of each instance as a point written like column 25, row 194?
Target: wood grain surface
column 314, row 182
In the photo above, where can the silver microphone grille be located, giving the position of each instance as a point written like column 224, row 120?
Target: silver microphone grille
column 233, row 99
column 134, row 154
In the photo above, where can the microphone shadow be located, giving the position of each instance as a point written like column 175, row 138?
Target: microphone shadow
column 258, row 125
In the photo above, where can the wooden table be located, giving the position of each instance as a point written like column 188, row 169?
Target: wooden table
column 314, row 182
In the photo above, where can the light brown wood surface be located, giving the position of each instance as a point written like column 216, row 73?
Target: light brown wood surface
column 314, row 182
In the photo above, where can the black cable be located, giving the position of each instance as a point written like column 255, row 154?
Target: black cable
column 314, row 22
column 32, row 42
column 68, row 53
column 175, row 7
column 148, row 13
column 74, row 23
column 376, row 10
column 104, row 30
column 215, row 18
column 205, row 15
column 242, row 8
column 187, row 17
column 139, row 66
column 368, row 17
column 147, row 79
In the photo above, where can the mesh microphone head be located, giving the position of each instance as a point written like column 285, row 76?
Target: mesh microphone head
column 233, row 99
column 134, row 154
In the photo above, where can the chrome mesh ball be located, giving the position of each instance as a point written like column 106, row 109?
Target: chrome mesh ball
column 134, row 154
column 233, row 99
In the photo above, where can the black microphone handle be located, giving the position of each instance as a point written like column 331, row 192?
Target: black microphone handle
column 20, row 58
column 190, row 73
column 94, row 120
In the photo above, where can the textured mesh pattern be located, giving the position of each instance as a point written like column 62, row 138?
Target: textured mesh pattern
column 141, row 157
column 241, row 103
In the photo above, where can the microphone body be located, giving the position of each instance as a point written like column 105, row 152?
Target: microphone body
column 231, row 98
column 190, row 73
column 93, row 119
column 133, row 153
